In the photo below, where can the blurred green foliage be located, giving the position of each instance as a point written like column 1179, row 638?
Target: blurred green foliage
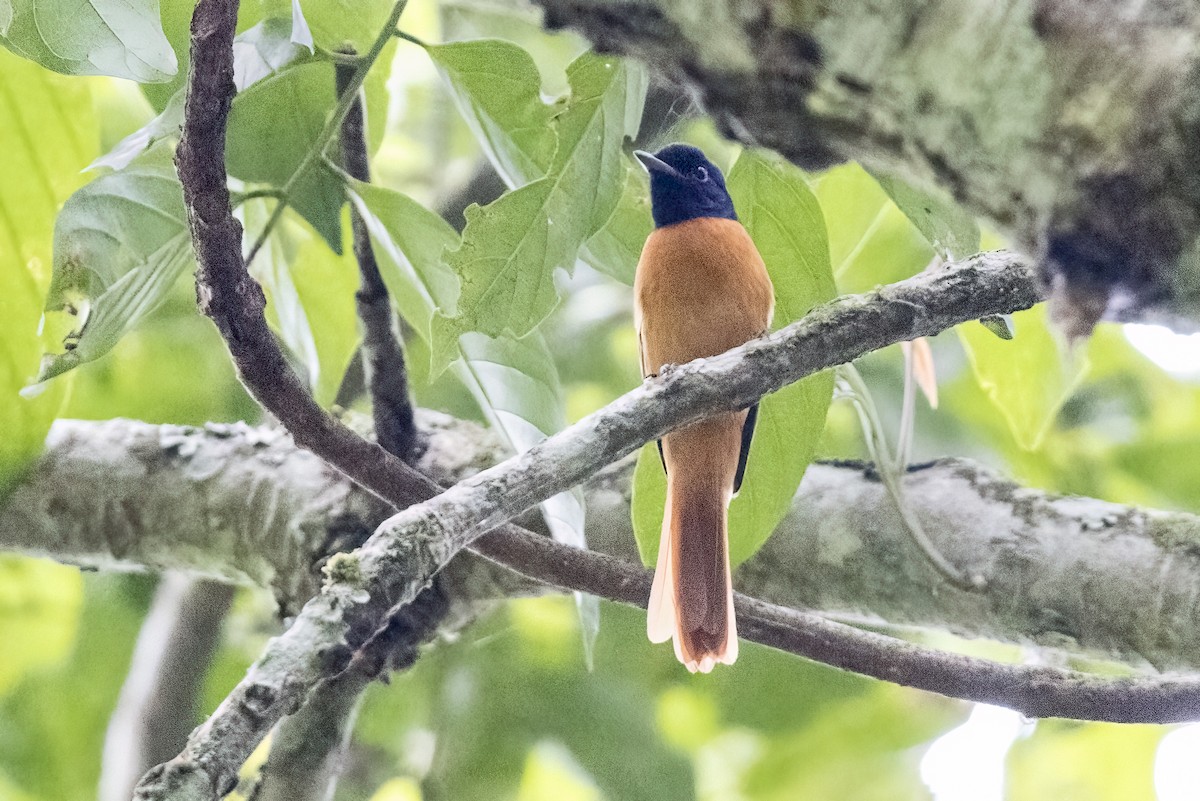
column 509, row 710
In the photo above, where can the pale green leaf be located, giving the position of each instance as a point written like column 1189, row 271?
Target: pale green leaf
column 498, row 91
column 615, row 249
column 258, row 53
column 336, row 23
column 1093, row 761
column 871, row 242
column 300, row 35
column 48, row 135
column 783, row 218
column 953, row 232
column 121, row 38
column 119, row 244
column 1027, row 379
column 39, row 612
column 265, row 49
column 511, row 249
column 310, row 292
column 6, row 16
column 272, row 126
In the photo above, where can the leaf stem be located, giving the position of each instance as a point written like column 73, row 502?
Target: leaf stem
column 408, row 37
column 332, row 125
column 892, row 478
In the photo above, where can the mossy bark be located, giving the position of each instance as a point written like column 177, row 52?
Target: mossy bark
column 1072, row 126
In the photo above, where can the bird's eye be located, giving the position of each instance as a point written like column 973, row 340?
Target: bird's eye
column 702, row 174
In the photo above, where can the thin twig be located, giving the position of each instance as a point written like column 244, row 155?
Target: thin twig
column 892, row 475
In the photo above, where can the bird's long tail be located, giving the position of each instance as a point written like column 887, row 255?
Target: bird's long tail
column 692, row 597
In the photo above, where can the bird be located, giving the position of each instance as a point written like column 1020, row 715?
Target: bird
column 701, row 288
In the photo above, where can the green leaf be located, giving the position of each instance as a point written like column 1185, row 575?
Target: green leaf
column 258, row 53
column 39, row 612
column 511, row 249
column 335, row 23
column 48, row 135
column 498, row 91
column 1096, row 761
column 310, row 292
column 871, row 242
column 953, row 233
column 1027, row 379
column 121, row 38
column 119, row 244
column 514, row 381
column 784, row 219
column 616, row 248
column 272, row 126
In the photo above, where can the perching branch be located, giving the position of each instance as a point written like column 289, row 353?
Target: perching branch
column 1041, row 554
column 308, row 747
column 1071, row 575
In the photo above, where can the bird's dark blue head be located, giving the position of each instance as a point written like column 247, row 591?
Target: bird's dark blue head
column 685, row 185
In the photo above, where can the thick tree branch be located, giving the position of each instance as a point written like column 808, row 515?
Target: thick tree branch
column 1073, row 574
column 1070, row 125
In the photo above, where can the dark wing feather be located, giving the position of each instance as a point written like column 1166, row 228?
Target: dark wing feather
column 744, row 453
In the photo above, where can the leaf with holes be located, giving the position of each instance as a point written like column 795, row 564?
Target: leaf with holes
column 511, row 248
column 119, row 244
column 498, row 91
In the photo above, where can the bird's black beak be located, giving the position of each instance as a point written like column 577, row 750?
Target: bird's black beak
column 653, row 163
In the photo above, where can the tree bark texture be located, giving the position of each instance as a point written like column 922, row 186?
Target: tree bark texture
column 1072, row 126
column 1076, row 575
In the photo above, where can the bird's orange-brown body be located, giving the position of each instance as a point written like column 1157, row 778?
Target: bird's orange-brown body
column 701, row 289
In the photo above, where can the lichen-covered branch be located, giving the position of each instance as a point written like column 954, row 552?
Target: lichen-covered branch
column 1073, row 126
column 1073, row 574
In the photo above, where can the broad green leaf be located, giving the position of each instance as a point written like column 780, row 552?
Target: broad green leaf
column 121, row 38
column 1028, row 378
column 783, row 218
column 336, row 23
column 258, row 53
column 55, row 718
column 39, row 612
column 310, row 293
column 871, row 242
column 552, row 774
column 1093, row 761
column 615, row 249
column 277, row 121
column 514, row 381
column 511, row 249
column 520, row 23
column 953, row 233
column 272, row 126
column 498, row 91
column 119, row 244
column 48, row 134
